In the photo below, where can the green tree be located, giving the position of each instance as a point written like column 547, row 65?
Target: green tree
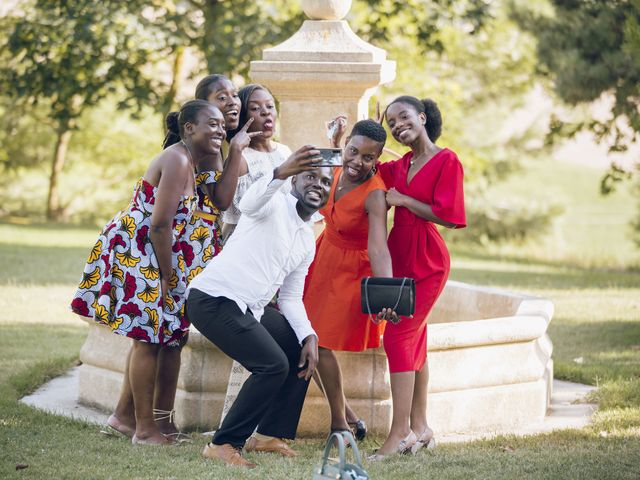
column 586, row 49
column 231, row 34
column 64, row 57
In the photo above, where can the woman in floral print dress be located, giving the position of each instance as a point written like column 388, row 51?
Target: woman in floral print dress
column 135, row 278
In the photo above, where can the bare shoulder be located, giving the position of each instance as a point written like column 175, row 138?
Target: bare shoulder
column 172, row 161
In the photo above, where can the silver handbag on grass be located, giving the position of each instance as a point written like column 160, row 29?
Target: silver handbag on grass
column 339, row 469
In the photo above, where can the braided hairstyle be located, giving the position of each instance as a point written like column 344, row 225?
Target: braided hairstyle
column 433, row 126
column 175, row 121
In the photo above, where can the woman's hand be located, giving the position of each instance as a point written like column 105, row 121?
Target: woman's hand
column 379, row 118
column 242, row 138
column 387, row 314
column 164, row 286
column 395, row 198
column 336, row 129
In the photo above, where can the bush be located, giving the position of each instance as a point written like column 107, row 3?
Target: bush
column 517, row 221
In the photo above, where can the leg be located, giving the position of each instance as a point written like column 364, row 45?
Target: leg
column 331, row 376
column 282, row 417
column 166, row 386
column 243, row 338
column 349, row 413
column 419, row 405
column 124, row 418
column 142, row 374
column 402, row 388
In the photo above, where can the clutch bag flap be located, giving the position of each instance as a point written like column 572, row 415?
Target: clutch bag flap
column 398, row 293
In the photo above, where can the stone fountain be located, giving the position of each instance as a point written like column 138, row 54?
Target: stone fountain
column 489, row 354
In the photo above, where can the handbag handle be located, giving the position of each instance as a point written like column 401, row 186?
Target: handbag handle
column 339, row 437
column 327, row 450
column 354, row 447
column 366, row 294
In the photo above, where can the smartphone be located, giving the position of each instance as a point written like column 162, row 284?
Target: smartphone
column 331, row 157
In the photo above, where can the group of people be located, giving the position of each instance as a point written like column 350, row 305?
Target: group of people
column 220, row 235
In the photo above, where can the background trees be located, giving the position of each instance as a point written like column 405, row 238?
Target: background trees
column 87, row 67
column 61, row 58
column 589, row 50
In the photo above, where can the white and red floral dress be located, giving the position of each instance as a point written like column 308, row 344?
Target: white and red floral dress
column 120, row 286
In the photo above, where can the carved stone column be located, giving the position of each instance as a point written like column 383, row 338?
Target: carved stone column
column 323, row 70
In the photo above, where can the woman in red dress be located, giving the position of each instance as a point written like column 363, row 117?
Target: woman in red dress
column 425, row 186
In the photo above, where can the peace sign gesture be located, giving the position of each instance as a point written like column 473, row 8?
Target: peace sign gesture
column 242, row 138
column 379, row 118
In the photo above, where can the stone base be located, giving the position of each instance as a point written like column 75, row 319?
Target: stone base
column 490, row 374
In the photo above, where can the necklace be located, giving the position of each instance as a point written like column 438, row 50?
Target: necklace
column 188, row 153
column 193, row 166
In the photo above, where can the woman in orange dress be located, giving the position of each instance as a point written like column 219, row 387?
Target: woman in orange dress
column 353, row 245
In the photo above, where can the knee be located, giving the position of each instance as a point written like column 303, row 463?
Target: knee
column 144, row 348
column 277, row 366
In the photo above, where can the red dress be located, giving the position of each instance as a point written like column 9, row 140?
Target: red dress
column 332, row 290
column 417, row 249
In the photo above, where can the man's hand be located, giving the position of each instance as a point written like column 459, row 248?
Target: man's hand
column 308, row 357
column 302, row 160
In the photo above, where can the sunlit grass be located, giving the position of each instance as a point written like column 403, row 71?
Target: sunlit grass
column 595, row 331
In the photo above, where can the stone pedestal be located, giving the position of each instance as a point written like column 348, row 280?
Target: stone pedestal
column 322, row 71
column 489, row 359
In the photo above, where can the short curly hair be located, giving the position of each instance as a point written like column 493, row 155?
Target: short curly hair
column 369, row 129
column 433, row 126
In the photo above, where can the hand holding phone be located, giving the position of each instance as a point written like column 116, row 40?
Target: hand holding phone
column 331, row 157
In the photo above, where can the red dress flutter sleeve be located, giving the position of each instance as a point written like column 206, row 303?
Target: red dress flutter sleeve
column 448, row 196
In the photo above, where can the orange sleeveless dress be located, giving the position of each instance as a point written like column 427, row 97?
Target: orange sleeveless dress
column 332, row 289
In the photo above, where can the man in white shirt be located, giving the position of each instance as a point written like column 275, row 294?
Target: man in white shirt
column 271, row 249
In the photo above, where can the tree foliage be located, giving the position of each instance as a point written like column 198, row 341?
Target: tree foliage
column 466, row 54
column 76, row 53
column 588, row 48
column 64, row 57
column 232, row 34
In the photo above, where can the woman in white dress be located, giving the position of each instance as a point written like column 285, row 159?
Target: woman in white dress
column 263, row 154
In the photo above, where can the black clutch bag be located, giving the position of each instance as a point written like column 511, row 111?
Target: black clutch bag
column 399, row 294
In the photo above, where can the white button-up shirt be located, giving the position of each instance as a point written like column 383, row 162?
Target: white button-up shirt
column 270, row 249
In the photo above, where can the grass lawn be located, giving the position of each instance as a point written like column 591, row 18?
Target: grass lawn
column 595, row 330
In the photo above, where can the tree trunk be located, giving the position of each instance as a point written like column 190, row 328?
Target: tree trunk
column 59, row 157
column 211, row 11
column 176, row 78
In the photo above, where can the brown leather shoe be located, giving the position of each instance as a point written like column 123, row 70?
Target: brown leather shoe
column 273, row 445
column 227, row 454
